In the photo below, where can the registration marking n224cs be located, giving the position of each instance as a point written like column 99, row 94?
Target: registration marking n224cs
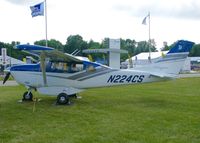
column 125, row 79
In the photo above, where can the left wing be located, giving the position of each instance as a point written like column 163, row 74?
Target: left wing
column 49, row 52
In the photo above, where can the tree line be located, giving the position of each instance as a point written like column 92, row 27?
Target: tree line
column 76, row 43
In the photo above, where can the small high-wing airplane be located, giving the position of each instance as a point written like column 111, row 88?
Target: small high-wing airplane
column 65, row 75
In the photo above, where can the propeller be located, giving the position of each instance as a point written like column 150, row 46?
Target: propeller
column 43, row 68
column 6, row 77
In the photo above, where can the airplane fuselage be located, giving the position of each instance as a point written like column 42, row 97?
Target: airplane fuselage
column 101, row 76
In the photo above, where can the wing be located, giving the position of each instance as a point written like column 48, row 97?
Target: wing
column 49, row 52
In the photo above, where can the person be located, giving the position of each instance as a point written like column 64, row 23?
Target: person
column 74, row 69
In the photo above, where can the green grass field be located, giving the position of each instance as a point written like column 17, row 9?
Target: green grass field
column 162, row 112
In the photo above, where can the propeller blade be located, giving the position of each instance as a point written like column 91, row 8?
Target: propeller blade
column 6, row 77
column 43, row 68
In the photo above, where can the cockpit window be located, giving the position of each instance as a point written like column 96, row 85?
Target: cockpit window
column 70, row 67
column 90, row 66
column 62, row 67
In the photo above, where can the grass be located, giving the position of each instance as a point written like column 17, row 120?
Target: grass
column 162, row 112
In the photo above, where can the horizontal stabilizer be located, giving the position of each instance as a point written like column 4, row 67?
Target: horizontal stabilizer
column 164, row 75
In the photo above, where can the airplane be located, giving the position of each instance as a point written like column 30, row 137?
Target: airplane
column 64, row 75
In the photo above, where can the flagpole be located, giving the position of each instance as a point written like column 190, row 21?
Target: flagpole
column 149, row 40
column 46, row 22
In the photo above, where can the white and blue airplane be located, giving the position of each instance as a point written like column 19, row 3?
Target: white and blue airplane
column 64, row 75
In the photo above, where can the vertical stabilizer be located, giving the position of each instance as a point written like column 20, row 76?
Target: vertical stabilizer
column 173, row 61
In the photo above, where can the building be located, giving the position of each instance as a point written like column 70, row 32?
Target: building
column 113, row 52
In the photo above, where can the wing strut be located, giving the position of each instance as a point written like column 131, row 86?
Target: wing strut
column 43, row 67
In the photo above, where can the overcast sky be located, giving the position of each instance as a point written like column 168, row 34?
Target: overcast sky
column 171, row 20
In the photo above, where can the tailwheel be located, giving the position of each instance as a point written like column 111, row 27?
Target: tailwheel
column 27, row 96
column 63, row 99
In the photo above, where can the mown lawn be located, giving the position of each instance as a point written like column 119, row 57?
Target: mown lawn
column 146, row 113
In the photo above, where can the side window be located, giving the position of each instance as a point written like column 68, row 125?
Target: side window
column 74, row 67
column 62, row 67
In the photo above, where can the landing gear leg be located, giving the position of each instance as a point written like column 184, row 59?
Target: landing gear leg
column 75, row 96
column 63, row 99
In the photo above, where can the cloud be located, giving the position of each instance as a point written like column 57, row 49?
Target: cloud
column 176, row 9
column 23, row 2
column 185, row 9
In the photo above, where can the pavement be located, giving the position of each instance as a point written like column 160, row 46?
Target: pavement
column 189, row 75
column 9, row 83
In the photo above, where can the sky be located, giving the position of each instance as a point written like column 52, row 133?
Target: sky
column 170, row 20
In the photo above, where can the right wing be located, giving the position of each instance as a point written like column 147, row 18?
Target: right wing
column 48, row 52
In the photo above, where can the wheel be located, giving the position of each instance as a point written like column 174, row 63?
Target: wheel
column 27, row 96
column 62, row 99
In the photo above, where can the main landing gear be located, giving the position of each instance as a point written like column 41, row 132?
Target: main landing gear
column 62, row 98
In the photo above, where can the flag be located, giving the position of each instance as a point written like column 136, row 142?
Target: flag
column 144, row 21
column 37, row 9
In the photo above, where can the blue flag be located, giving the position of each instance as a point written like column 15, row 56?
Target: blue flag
column 37, row 9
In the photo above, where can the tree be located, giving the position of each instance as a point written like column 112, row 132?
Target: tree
column 75, row 42
column 11, row 51
column 143, row 46
column 105, row 43
column 94, row 45
column 195, row 52
column 51, row 43
column 165, row 47
column 130, row 46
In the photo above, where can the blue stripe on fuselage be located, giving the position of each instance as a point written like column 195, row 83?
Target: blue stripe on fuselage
column 36, row 67
column 30, row 67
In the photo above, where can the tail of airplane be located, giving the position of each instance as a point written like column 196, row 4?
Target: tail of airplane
column 172, row 62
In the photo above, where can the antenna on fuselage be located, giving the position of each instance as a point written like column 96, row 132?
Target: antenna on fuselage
column 75, row 52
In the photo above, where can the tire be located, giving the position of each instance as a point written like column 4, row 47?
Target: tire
column 27, row 97
column 62, row 99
